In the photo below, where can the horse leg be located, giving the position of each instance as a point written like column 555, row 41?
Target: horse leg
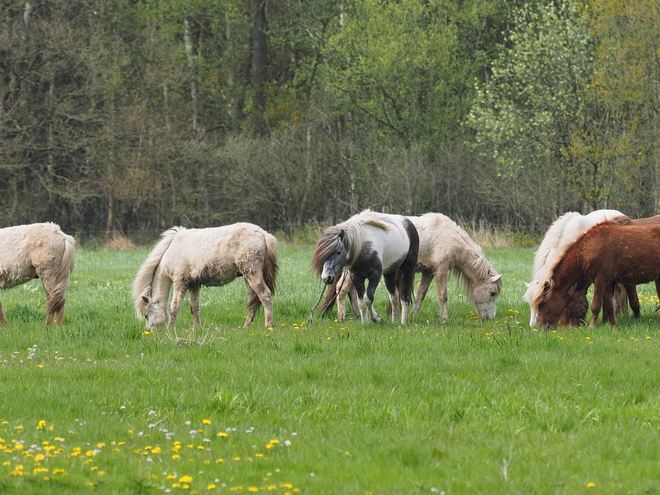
column 177, row 298
column 262, row 296
column 3, row 319
column 368, row 299
column 344, row 287
column 441, row 286
column 362, row 297
column 395, row 300
column 597, row 301
column 194, row 305
column 633, row 299
column 353, row 297
column 407, row 277
column 609, row 315
column 422, row 289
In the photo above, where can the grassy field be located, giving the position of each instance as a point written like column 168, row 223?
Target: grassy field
column 454, row 406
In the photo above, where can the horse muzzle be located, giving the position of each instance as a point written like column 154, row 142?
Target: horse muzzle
column 328, row 279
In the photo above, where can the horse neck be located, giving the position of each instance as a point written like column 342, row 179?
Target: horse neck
column 471, row 268
column 568, row 271
column 160, row 289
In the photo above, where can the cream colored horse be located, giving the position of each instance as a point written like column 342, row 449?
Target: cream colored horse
column 38, row 250
column 190, row 258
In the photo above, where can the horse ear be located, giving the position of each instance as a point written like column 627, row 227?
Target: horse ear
column 527, row 284
column 146, row 296
column 495, row 279
column 342, row 234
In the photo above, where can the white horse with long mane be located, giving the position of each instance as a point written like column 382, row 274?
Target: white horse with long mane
column 565, row 230
column 38, row 250
column 190, row 258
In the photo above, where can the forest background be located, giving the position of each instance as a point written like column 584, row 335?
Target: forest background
column 130, row 116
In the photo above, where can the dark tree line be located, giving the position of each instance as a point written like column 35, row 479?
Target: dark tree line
column 131, row 117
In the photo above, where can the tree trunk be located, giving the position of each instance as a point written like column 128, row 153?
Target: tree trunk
column 259, row 61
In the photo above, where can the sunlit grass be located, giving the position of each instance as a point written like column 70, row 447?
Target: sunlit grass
column 455, row 406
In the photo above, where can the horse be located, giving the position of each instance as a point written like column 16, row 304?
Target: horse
column 565, row 230
column 444, row 247
column 38, row 250
column 614, row 251
column 371, row 245
column 191, row 258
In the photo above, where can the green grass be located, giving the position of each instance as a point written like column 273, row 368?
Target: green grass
column 456, row 406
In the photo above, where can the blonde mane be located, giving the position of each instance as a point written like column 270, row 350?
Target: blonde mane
column 145, row 276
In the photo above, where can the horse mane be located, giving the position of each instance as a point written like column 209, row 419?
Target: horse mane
column 350, row 233
column 480, row 264
column 145, row 276
column 64, row 269
column 550, row 242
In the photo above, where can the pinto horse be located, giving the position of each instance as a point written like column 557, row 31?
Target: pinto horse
column 190, row 258
column 444, row 248
column 614, row 251
column 371, row 245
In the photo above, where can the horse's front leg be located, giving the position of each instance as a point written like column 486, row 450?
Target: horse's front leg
column 194, row 305
column 177, row 299
column 441, row 285
column 344, row 287
column 361, row 297
column 3, row 319
column 609, row 314
column 422, row 289
column 601, row 289
column 633, row 299
column 395, row 299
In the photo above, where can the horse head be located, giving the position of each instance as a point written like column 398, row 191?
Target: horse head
column 484, row 296
column 551, row 306
column 336, row 260
column 154, row 313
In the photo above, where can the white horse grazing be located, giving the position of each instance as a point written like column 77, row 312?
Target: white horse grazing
column 443, row 247
column 38, row 250
column 190, row 258
column 565, row 230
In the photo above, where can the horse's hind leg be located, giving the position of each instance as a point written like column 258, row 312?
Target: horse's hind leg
column 633, row 300
column 3, row 319
column 422, row 289
column 258, row 294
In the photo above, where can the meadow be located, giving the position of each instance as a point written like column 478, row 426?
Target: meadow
column 451, row 406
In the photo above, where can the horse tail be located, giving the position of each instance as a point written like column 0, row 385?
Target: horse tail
column 271, row 264
column 145, row 275
column 57, row 293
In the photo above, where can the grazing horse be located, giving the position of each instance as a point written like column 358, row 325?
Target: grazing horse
column 190, row 258
column 371, row 245
column 608, row 253
column 564, row 231
column 38, row 250
column 444, row 247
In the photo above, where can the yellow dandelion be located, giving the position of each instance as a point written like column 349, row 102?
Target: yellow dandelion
column 185, row 479
column 206, row 421
column 591, row 484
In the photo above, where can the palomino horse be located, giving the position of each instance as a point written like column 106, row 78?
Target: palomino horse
column 608, row 253
column 444, row 247
column 564, row 231
column 38, row 250
column 371, row 245
column 190, row 258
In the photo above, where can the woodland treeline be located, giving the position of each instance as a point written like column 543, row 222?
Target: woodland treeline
column 131, row 116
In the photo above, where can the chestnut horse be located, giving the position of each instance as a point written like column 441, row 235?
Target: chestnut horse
column 614, row 251
column 371, row 245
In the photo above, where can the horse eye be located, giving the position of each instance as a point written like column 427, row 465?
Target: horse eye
column 493, row 294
